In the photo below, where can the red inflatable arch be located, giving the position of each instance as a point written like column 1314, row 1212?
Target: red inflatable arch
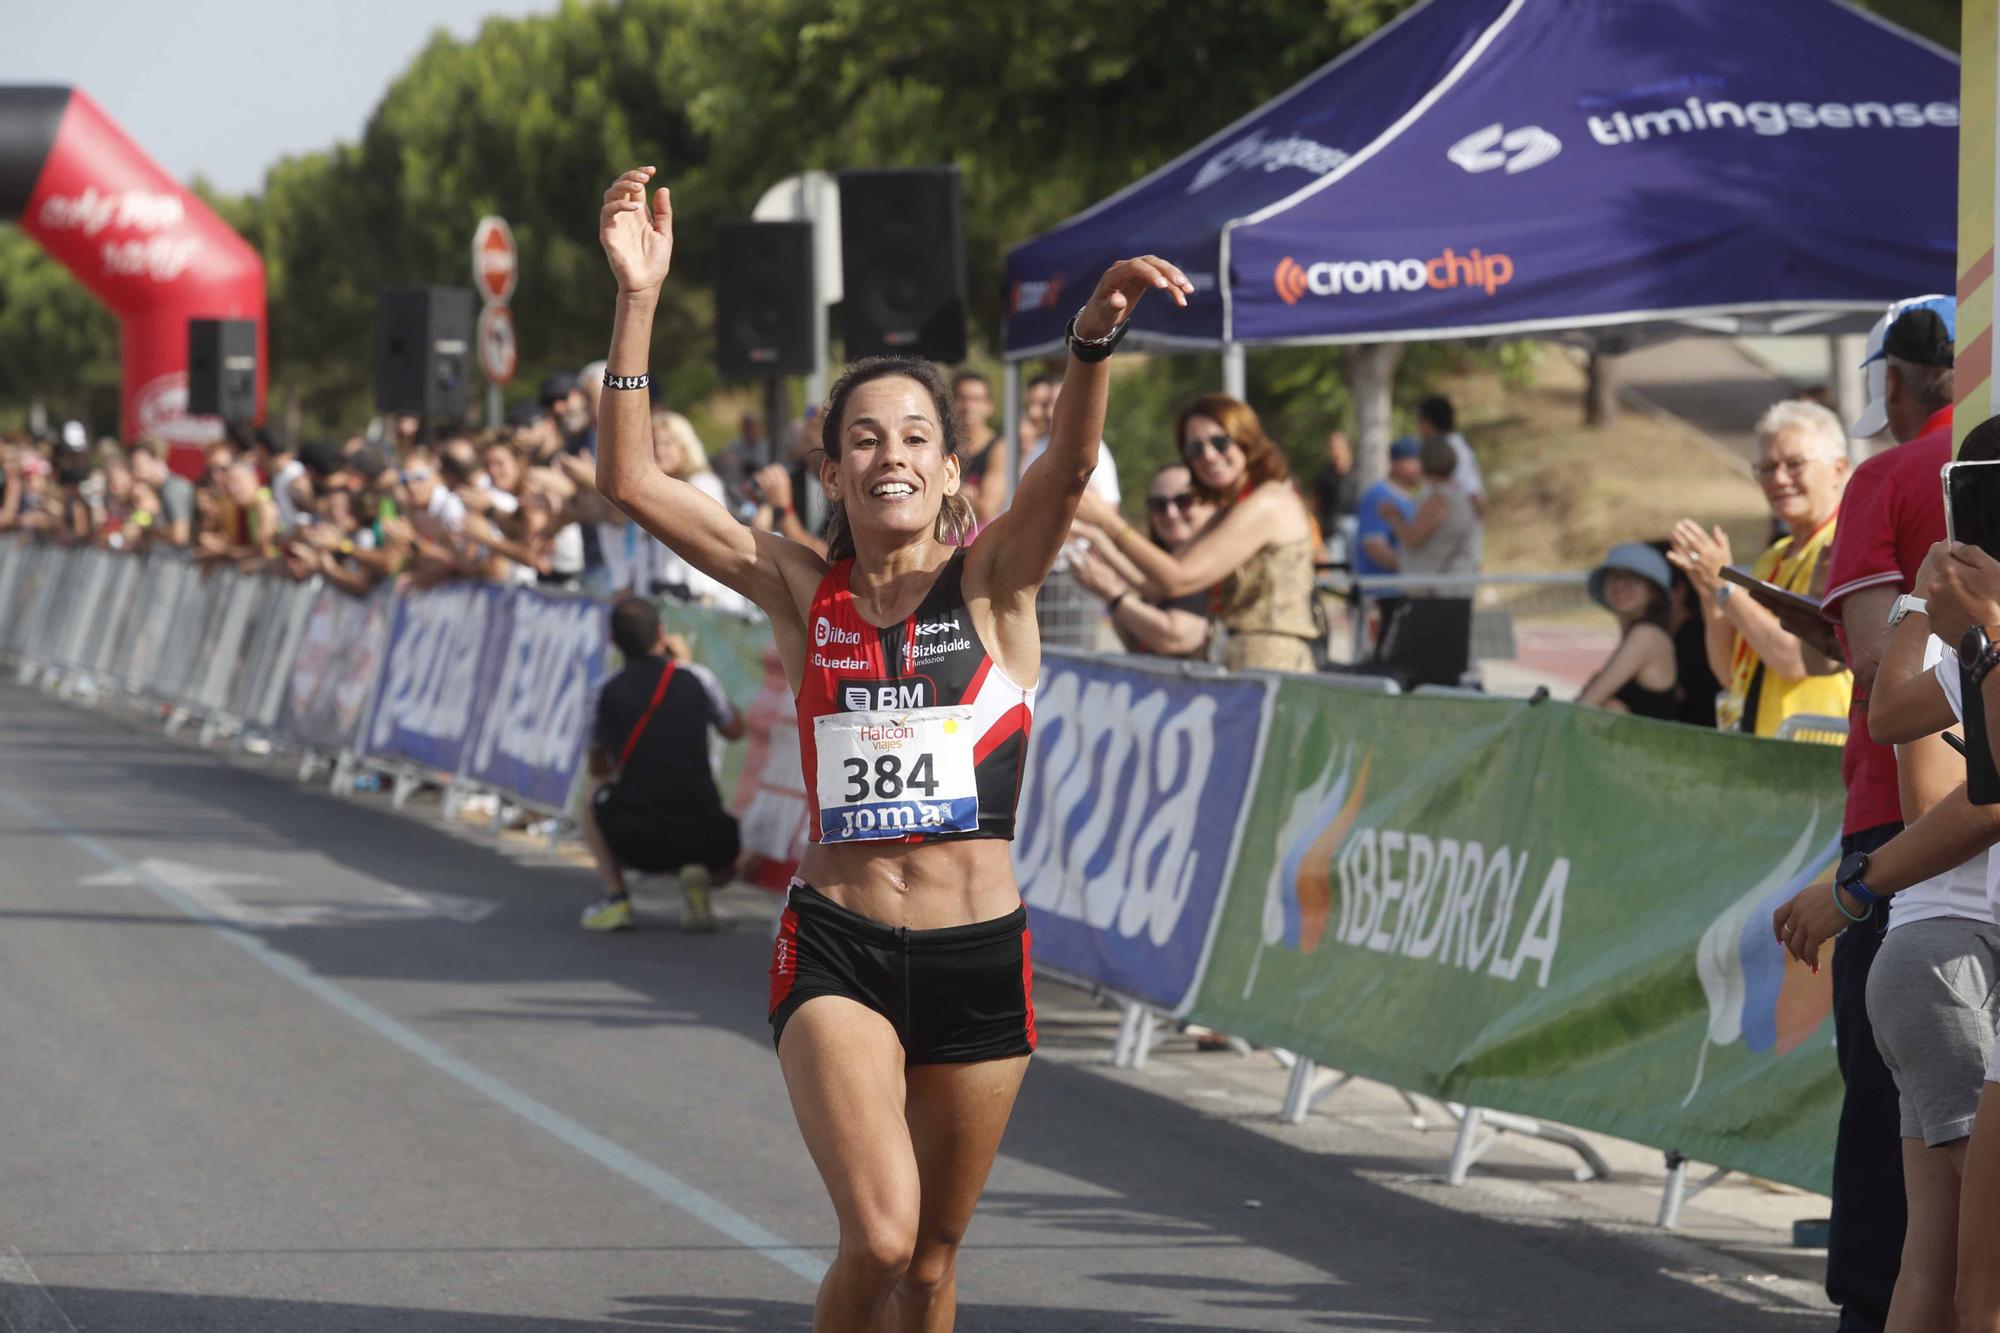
column 155, row 254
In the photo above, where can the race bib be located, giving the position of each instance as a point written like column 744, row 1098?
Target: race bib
column 891, row 775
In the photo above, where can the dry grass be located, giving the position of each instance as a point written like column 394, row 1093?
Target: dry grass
column 1561, row 494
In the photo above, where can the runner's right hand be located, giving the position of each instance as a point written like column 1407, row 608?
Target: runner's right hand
column 637, row 240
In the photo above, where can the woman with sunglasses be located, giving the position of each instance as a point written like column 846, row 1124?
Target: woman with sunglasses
column 1175, row 512
column 1257, row 552
column 900, row 996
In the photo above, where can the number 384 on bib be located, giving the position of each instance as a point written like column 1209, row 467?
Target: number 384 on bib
column 895, row 775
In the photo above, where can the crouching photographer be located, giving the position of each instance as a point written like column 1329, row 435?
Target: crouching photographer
column 653, row 807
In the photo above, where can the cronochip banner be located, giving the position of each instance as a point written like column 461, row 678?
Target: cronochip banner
column 550, row 655
column 1542, row 909
column 1128, row 819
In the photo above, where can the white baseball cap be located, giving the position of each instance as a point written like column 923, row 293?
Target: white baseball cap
column 1874, row 418
column 74, row 436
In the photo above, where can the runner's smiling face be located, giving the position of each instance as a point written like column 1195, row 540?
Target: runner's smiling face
column 893, row 473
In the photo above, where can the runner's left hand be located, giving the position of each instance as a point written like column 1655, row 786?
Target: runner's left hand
column 1119, row 290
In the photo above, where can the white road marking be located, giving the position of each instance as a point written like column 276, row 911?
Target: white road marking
column 209, row 889
column 24, row 1306
column 661, row 1183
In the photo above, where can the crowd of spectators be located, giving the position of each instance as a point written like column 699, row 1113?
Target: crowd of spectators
column 516, row 503
column 1861, row 623
column 1226, row 567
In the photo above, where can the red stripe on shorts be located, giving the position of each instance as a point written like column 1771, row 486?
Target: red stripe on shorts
column 1028, row 983
column 784, row 958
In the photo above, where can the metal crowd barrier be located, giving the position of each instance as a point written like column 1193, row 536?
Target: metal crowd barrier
column 213, row 648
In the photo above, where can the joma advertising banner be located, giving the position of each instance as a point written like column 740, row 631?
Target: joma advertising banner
column 432, row 688
column 1544, row 909
column 550, row 652
column 338, row 660
column 1128, row 821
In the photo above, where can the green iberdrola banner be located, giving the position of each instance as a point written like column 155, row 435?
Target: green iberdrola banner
column 1542, row 909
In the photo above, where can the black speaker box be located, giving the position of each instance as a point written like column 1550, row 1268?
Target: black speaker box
column 902, row 240
column 763, row 298
column 222, row 368
column 423, row 351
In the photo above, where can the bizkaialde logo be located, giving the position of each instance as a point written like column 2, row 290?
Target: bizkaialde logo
column 924, row 651
column 1496, row 146
column 1256, row 150
column 1359, row 277
column 825, row 632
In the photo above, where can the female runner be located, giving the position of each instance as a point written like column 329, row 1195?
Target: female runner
column 900, row 988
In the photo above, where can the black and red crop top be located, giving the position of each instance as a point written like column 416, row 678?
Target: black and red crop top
column 907, row 732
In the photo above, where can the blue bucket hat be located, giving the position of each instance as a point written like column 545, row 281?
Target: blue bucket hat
column 1633, row 558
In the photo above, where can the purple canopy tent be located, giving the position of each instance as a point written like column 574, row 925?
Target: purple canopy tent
column 1546, row 166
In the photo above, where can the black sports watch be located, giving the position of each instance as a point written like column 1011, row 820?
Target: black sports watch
column 1977, row 654
column 1095, row 349
column 1848, row 880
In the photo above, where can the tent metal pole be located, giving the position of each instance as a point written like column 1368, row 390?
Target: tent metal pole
column 1846, row 350
column 1232, row 370
column 1010, row 422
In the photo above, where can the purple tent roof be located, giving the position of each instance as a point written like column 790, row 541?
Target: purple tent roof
column 1566, row 164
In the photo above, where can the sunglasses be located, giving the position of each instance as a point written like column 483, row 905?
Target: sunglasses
column 1218, row 444
column 1159, row 504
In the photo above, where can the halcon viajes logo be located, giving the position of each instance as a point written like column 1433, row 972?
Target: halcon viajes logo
column 1361, row 277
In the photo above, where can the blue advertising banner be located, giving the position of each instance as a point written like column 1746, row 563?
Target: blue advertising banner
column 427, row 703
column 550, row 656
column 1128, row 820
column 338, row 661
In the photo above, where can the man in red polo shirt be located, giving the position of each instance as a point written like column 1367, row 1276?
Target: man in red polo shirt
column 1891, row 514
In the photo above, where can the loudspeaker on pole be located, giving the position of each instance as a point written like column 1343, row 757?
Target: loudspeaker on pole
column 222, row 368
column 902, row 240
column 423, row 351
column 763, row 298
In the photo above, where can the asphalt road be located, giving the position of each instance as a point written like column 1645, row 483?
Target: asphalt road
column 271, row 1060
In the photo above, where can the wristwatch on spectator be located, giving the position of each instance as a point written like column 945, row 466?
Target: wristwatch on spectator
column 1905, row 605
column 1977, row 654
column 1848, row 880
column 1723, row 592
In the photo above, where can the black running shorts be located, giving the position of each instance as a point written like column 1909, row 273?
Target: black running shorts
column 955, row 995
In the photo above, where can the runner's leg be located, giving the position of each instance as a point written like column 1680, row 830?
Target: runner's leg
column 957, row 1114
column 843, row 1064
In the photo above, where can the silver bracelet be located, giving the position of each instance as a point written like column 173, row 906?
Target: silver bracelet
column 612, row 381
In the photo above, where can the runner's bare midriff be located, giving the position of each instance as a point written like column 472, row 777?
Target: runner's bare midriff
column 923, row 886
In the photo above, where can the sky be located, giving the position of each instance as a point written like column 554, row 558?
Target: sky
column 224, row 88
